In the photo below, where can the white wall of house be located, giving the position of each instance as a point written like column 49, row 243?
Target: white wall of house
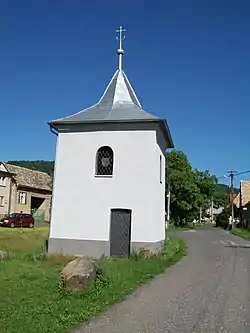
column 26, row 206
column 5, row 183
column 82, row 202
column 14, row 198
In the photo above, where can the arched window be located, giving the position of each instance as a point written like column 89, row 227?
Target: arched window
column 104, row 161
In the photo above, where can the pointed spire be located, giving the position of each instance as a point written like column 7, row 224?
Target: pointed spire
column 119, row 90
column 120, row 51
column 118, row 104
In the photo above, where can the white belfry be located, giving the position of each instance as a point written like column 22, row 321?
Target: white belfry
column 109, row 180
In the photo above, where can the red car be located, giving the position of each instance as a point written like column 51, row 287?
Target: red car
column 18, row 220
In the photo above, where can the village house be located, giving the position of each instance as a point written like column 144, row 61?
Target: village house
column 242, row 201
column 235, row 198
column 213, row 213
column 25, row 190
column 245, row 203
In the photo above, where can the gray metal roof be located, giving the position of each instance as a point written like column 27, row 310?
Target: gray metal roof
column 119, row 103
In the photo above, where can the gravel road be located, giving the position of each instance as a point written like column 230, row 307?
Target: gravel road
column 208, row 291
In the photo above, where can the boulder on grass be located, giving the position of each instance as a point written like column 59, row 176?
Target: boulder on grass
column 79, row 274
column 146, row 252
column 4, row 255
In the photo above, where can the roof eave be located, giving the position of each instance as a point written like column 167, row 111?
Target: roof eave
column 34, row 187
column 53, row 128
column 7, row 171
column 55, row 124
column 167, row 133
column 165, row 128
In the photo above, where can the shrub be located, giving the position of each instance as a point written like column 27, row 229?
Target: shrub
column 222, row 219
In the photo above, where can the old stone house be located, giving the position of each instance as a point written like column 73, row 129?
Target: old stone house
column 25, row 190
column 245, row 203
column 242, row 202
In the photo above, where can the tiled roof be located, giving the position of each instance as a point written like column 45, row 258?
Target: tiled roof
column 245, row 192
column 236, row 200
column 30, row 178
column 232, row 196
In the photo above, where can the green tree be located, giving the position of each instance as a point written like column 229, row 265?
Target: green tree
column 206, row 184
column 184, row 191
column 191, row 190
column 220, row 199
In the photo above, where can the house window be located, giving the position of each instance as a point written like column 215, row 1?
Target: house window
column 22, row 198
column 104, row 161
column 160, row 169
column 1, row 201
column 2, row 181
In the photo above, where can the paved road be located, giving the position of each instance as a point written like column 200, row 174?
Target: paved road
column 206, row 292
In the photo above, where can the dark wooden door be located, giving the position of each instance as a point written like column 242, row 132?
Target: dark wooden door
column 120, row 232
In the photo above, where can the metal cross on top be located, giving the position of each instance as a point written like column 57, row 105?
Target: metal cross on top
column 120, row 37
column 120, row 51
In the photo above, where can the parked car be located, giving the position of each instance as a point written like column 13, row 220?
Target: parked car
column 18, row 220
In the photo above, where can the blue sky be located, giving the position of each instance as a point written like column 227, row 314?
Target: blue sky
column 188, row 61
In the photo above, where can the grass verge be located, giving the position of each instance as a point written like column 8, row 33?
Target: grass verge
column 23, row 240
column 244, row 233
column 30, row 297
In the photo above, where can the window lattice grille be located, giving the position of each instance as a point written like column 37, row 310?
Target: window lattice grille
column 104, row 161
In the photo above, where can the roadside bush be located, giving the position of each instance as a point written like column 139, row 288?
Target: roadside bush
column 222, row 220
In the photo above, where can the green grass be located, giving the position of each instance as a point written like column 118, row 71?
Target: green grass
column 31, row 299
column 244, row 233
column 23, row 240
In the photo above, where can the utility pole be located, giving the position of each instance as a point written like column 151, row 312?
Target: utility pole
column 212, row 209
column 200, row 215
column 168, row 195
column 168, row 208
column 232, row 174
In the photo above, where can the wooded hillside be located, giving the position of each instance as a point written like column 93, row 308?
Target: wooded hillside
column 224, row 189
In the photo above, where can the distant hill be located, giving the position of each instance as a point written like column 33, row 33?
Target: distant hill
column 224, row 189
column 40, row 165
column 221, row 198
